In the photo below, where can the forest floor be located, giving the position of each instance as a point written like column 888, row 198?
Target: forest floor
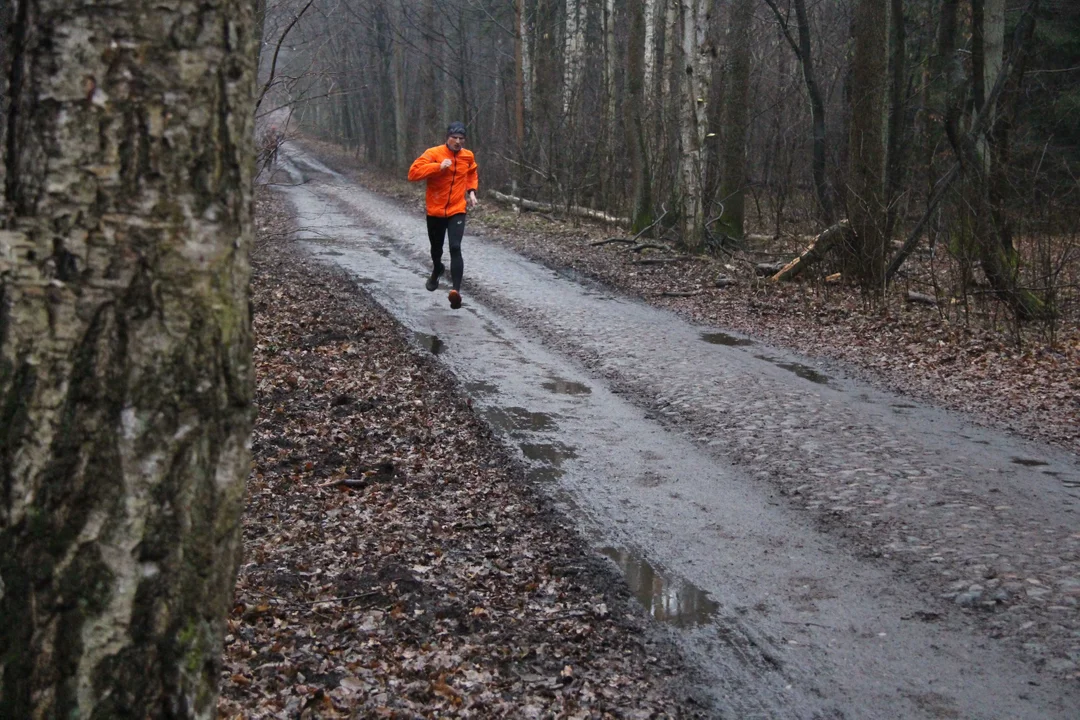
column 433, row 584
column 973, row 360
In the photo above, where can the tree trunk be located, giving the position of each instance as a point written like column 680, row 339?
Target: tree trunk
column 690, row 195
column 636, row 90
column 573, row 51
column 817, row 117
column 894, row 154
column 866, row 172
column 736, row 92
column 431, row 79
column 125, row 353
column 401, row 119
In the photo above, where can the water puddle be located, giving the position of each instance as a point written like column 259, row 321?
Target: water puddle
column 518, row 419
column 720, row 338
column 566, row 387
column 331, row 253
column 667, row 599
column 548, row 459
column 481, row 387
column 804, row 371
column 1028, row 462
column 431, row 343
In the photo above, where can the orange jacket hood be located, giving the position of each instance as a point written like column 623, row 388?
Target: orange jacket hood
column 445, row 188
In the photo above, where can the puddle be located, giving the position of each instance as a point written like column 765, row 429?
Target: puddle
column 566, row 387
column 804, row 371
column 431, row 343
column 331, row 253
column 517, row 419
column 1028, row 462
column 549, row 458
column 481, row 388
column 672, row 601
column 719, row 338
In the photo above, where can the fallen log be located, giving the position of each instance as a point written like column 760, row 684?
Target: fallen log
column 920, row 298
column 818, row 249
column 551, row 207
column 609, row 241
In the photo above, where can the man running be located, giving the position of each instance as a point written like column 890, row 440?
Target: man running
column 450, row 171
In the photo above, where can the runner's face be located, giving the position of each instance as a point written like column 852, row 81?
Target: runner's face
column 455, row 142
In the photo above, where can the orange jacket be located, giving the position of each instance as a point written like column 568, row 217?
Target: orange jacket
column 445, row 188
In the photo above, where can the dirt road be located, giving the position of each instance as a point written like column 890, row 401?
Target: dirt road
column 823, row 549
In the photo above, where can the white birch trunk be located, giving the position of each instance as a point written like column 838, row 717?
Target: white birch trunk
column 690, row 132
column 526, row 60
column 573, row 51
column 649, row 64
column 125, row 352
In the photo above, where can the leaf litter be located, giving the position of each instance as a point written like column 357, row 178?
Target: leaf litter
column 397, row 563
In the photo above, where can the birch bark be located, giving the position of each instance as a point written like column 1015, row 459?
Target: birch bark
column 125, row 352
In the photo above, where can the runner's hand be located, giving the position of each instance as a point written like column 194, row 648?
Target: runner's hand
column 445, row 164
column 471, row 201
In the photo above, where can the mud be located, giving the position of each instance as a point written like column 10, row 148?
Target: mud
column 669, row 452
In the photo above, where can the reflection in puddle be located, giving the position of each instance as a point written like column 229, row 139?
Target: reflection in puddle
column 804, row 371
column 720, row 338
column 513, row 419
column 431, row 343
column 549, row 458
column 566, row 387
column 1028, row 462
column 669, row 600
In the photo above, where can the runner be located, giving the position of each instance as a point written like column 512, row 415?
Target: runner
column 450, row 171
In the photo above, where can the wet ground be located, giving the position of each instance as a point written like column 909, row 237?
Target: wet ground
column 758, row 503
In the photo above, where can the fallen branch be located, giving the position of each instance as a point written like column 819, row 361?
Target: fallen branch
column 551, row 207
column 664, row 261
column 599, row 243
column 818, row 249
column 649, row 246
column 346, row 482
column 679, row 293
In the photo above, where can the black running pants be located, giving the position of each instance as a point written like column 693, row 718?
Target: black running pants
column 438, row 228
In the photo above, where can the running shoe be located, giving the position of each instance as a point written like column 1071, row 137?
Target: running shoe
column 455, row 299
column 432, row 283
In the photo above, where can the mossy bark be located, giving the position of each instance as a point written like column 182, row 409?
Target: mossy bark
column 125, row 352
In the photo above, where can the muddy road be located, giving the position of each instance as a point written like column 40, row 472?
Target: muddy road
column 819, row 548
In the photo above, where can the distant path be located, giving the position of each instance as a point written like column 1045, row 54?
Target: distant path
column 788, row 493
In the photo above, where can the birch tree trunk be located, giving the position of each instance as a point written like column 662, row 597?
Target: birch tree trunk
column 649, row 61
column 691, row 109
column 526, row 59
column 866, row 174
column 609, row 67
column 125, row 352
column 735, row 119
column 573, row 51
column 637, row 52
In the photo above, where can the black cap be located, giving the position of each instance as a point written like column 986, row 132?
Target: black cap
column 455, row 128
